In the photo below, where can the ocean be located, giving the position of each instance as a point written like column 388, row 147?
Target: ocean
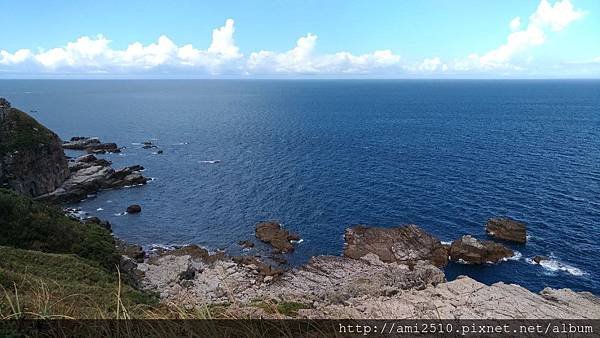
column 323, row 155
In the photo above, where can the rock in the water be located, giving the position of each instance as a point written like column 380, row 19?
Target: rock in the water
column 472, row 251
column 507, row 229
column 246, row 244
column 134, row 209
column 272, row 233
column 81, row 142
column 539, row 259
column 405, row 244
column 89, row 176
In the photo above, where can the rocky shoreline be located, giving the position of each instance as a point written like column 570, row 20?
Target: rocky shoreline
column 383, row 273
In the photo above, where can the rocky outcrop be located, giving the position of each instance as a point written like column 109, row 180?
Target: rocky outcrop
column 323, row 280
column 89, row 175
column 405, row 244
column 91, row 145
column 472, row 251
column 271, row 232
column 31, row 158
column 465, row 298
column 507, row 229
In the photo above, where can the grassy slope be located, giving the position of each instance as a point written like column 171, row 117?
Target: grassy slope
column 27, row 224
column 36, row 284
column 52, row 265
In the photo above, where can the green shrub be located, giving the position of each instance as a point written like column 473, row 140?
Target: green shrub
column 20, row 131
column 27, row 224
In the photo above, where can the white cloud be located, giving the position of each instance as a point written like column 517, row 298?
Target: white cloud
column 93, row 55
column 555, row 17
column 515, row 24
column 302, row 59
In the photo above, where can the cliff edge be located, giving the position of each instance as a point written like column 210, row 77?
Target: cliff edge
column 32, row 160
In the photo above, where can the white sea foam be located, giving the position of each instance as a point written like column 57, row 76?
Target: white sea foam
column 121, row 213
column 515, row 257
column 99, row 209
column 298, row 241
column 554, row 265
column 211, row 161
column 446, row 242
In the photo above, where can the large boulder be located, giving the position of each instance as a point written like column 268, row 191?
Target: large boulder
column 472, row 251
column 271, row 232
column 404, row 244
column 134, row 209
column 507, row 229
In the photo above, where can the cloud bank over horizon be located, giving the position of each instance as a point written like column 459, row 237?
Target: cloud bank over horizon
column 93, row 55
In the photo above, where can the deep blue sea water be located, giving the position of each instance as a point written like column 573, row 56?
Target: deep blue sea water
column 323, row 155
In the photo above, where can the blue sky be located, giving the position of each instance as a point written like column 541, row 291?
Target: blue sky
column 309, row 38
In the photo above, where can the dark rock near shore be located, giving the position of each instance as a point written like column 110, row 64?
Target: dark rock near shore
column 472, row 251
column 188, row 274
column 246, row 244
column 507, row 229
column 91, row 145
column 405, row 244
column 134, row 209
column 197, row 253
column 271, row 232
column 539, row 259
column 132, row 251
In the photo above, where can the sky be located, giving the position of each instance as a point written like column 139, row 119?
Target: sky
column 300, row 39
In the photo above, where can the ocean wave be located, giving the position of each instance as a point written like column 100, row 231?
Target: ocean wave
column 298, row 241
column 515, row 257
column 555, row 265
column 211, row 161
column 99, row 209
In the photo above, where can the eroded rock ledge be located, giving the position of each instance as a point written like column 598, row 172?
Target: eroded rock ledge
column 385, row 273
column 89, row 175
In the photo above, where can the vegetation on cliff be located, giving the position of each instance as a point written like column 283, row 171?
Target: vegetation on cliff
column 27, row 224
column 20, row 131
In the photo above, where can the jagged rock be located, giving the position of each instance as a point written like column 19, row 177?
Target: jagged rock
column 539, row 259
column 465, row 298
column 134, row 209
column 81, row 142
column 197, row 253
column 272, row 233
column 470, row 250
column 246, row 244
column 405, row 244
column 103, row 148
column 132, row 251
column 188, row 274
column 89, row 177
column 507, row 229
column 32, row 161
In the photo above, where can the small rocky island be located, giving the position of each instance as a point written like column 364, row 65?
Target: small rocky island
column 383, row 272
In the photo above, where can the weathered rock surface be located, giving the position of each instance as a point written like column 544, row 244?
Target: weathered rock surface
column 325, row 279
column 89, row 175
column 507, row 229
column 405, row 244
column 271, row 232
column 472, row 251
column 31, row 158
column 539, row 259
column 465, row 298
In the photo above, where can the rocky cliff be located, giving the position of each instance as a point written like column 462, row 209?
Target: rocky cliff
column 32, row 160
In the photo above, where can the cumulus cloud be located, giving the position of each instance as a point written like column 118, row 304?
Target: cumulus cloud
column 303, row 60
column 94, row 55
column 546, row 17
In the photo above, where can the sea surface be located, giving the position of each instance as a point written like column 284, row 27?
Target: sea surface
column 323, row 155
